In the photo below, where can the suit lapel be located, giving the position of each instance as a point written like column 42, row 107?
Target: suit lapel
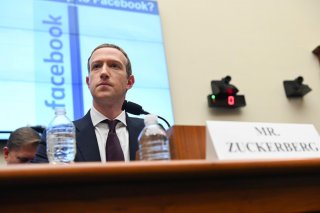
column 134, row 131
column 86, row 140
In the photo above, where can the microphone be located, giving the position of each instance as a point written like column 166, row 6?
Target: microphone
column 133, row 108
column 137, row 109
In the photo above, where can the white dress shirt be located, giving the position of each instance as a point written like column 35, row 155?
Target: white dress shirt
column 102, row 130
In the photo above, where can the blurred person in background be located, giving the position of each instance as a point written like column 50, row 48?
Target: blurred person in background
column 21, row 146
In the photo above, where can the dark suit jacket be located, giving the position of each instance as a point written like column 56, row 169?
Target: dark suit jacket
column 86, row 140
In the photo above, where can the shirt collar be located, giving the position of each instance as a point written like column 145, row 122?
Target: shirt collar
column 97, row 117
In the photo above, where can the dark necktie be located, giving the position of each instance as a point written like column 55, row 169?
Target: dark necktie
column 113, row 148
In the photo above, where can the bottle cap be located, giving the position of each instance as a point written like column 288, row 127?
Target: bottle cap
column 60, row 110
column 150, row 119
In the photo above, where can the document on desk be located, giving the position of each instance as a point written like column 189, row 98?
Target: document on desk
column 227, row 140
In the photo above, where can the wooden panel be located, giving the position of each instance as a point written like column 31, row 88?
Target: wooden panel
column 187, row 142
column 172, row 187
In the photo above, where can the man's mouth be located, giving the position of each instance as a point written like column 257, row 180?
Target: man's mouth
column 104, row 84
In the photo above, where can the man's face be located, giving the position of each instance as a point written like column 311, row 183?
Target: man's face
column 24, row 154
column 108, row 80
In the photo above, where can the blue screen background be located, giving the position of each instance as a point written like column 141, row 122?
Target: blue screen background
column 44, row 46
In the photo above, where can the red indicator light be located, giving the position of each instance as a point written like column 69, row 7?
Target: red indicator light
column 231, row 100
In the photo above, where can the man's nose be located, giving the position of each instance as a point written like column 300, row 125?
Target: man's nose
column 105, row 71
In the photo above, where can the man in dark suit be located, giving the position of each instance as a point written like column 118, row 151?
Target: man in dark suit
column 110, row 77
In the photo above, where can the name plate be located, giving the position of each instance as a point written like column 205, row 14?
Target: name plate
column 251, row 140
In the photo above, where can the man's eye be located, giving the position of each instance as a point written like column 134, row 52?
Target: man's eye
column 116, row 66
column 95, row 66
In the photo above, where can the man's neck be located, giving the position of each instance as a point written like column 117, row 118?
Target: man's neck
column 111, row 111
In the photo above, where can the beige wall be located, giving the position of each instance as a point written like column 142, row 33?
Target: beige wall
column 259, row 43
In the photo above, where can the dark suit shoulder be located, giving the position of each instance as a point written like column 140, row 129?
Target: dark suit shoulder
column 83, row 122
column 135, row 121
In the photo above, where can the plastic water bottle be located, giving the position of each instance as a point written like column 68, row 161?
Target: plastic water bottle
column 61, row 143
column 153, row 141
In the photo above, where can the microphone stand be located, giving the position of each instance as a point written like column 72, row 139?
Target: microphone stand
column 145, row 113
column 164, row 120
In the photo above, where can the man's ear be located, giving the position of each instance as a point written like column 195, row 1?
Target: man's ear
column 5, row 152
column 130, row 82
column 87, row 81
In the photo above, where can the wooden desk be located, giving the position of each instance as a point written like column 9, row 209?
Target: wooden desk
column 177, row 186
column 187, row 142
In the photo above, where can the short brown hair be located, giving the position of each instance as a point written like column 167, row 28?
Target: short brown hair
column 22, row 136
column 128, row 65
